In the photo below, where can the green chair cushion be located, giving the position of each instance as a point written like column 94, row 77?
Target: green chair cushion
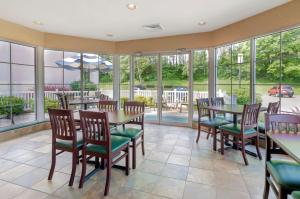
column 296, row 194
column 116, row 143
column 128, row 132
column 261, row 127
column 286, row 174
column 68, row 143
column 216, row 122
column 236, row 129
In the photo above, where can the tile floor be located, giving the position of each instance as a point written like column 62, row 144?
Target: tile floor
column 174, row 167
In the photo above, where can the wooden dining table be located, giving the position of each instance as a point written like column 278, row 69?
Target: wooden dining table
column 85, row 102
column 288, row 142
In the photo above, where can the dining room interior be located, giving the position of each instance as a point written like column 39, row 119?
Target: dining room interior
column 194, row 99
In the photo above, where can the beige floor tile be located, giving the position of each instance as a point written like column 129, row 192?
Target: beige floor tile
column 15, row 172
column 203, row 176
column 31, row 194
column 199, row 191
column 230, row 181
column 175, row 171
column 183, row 160
column 169, row 187
column 142, row 181
column 31, row 178
column 230, row 194
column 127, row 193
column 150, row 166
column 180, row 150
column 201, row 163
column 11, row 190
column 6, row 165
column 158, row 156
column 50, row 186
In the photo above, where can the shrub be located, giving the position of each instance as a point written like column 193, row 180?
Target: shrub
column 48, row 103
column 16, row 102
column 147, row 100
column 243, row 96
column 88, row 85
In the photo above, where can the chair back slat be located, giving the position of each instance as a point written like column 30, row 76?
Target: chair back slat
column 217, row 101
column 62, row 124
column 136, row 107
column 250, row 116
column 103, row 97
column 282, row 123
column 202, row 111
column 273, row 107
column 95, row 127
column 108, row 105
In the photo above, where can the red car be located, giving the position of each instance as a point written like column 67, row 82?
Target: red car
column 286, row 90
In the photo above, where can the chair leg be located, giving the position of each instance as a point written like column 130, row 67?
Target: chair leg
column 282, row 194
column 133, row 154
column 83, row 171
column 214, row 139
column 123, row 127
column 199, row 130
column 267, row 185
column 53, row 162
column 257, row 147
column 208, row 133
column 108, row 176
column 143, row 144
column 74, row 163
column 222, row 142
column 244, row 152
column 127, row 158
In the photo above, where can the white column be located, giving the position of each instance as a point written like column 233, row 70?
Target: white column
column 252, row 70
column 131, row 83
column 39, row 87
column 191, row 102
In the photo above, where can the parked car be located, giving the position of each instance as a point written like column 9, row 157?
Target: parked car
column 283, row 90
column 181, row 88
column 139, row 87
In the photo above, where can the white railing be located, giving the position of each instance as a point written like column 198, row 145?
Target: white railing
column 169, row 97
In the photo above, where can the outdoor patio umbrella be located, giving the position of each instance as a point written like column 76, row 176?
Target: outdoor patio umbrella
column 89, row 61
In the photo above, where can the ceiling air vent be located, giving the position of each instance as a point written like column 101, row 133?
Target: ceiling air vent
column 153, row 27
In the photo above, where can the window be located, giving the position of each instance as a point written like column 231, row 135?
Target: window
column 233, row 73
column 124, row 78
column 106, row 75
column 200, row 78
column 17, row 84
column 278, row 69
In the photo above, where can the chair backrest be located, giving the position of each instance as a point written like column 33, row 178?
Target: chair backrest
column 217, row 101
column 137, row 107
column 62, row 124
column 202, row 111
column 103, row 97
column 282, row 123
column 95, row 128
column 273, row 107
column 63, row 100
column 108, row 105
column 250, row 116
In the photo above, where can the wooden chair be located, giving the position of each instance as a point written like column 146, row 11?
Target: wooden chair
column 134, row 133
column 273, row 108
column 248, row 129
column 282, row 175
column 219, row 101
column 98, row 142
column 108, row 105
column 205, row 119
column 103, row 97
column 64, row 138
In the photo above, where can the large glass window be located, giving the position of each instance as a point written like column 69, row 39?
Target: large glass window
column 233, row 73
column 145, row 84
column 124, row 78
column 17, row 84
column 200, row 78
column 106, row 75
column 278, row 69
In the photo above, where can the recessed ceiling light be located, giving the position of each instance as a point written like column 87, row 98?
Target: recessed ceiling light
column 131, row 6
column 201, row 23
column 37, row 22
column 109, row 35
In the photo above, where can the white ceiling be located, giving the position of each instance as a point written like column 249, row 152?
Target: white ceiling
column 97, row 18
